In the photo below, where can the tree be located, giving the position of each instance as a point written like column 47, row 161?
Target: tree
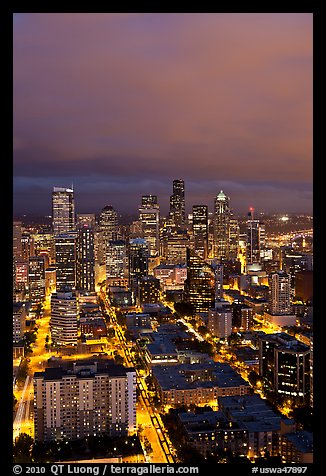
column 119, row 359
column 22, row 448
column 184, row 308
column 203, row 330
column 253, row 378
column 303, row 415
column 22, row 370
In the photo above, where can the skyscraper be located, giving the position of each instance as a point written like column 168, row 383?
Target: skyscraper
column 107, row 231
column 85, row 262
column 63, row 210
column 279, row 293
column 222, row 226
column 149, row 217
column 255, row 239
column 116, row 259
column 65, row 256
column 200, row 229
column 36, row 279
column 63, row 322
column 234, row 238
column 177, row 204
column 85, row 398
column 17, row 239
column 200, row 282
column 138, row 263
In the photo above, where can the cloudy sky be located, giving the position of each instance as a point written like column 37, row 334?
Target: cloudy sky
column 120, row 105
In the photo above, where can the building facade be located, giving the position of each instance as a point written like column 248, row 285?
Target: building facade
column 63, row 210
column 89, row 399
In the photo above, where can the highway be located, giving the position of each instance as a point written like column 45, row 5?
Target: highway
column 23, row 420
column 162, row 447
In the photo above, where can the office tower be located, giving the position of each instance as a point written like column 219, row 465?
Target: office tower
column 255, row 243
column 116, row 259
column 149, row 201
column 218, row 277
column 19, row 319
column 149, row 217
column 200, row 283
column 86, row 219
column 44, row 246
column 138, row 263
column 17, row 239
column 65, row 256
column 85, row 398
column 200, row 229
column 222, row 226
column 149, row 290
column 234, row 237
column 107, row 231
column 279, row 293
column 285, row 364
column 220, row 320
column 85, row 262
column 21, row 274
column 174, row 244
column 177, row 204
column 36, row 279
column 27, row 246
column 64, row 313
column 63, row 210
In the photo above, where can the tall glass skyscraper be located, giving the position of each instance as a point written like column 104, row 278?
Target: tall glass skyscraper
column 222, row 226
column 85, row 262
column 177, row 203
column 200, row 229
column 255, row 238
column 63, row 210
column 149, row 217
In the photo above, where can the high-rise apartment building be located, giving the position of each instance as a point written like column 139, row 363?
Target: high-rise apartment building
column 285, row 364
column 149, row 217
column 200, row 283
column 63, row 210
column 149, row 288
column 177, row 204
column 85, row 262
column 200, row 229
column 65, row 256
column 222, row 216
column 220, row 320
column 64, row 313
column 87, row 398
column 279, row 300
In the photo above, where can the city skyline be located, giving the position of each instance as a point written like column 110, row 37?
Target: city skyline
column 131, row 102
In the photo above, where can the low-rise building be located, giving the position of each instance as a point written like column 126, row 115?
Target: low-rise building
column 297, row 447
column 262, row 424
column 201, row 383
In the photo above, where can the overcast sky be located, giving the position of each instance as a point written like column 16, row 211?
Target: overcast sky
column 120, row 105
